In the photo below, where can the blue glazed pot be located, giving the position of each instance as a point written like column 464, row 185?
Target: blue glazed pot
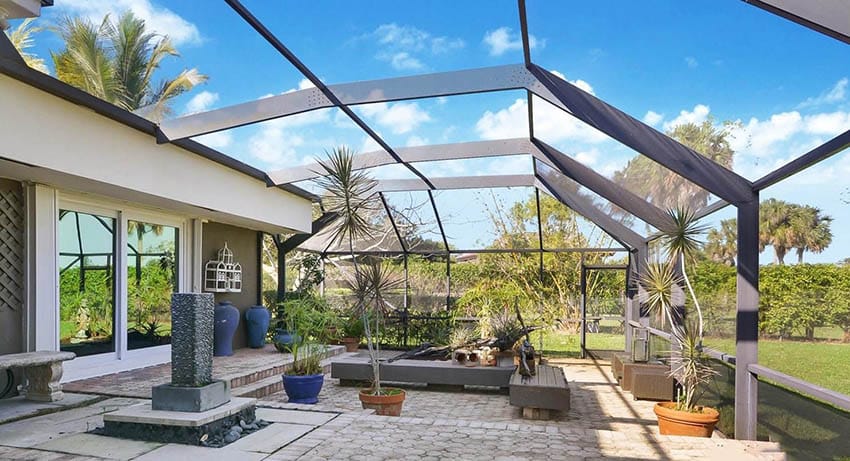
column 226, row 322
column 303, row 389
column 257, row 320
column 284, row 338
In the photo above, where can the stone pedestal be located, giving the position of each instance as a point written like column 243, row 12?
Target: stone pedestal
column 192, row 388
column 43, row 382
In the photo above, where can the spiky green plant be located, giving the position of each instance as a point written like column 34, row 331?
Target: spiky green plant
column 682, row 241
column 351, row 194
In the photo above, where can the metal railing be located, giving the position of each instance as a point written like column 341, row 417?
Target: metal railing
column 798, row 385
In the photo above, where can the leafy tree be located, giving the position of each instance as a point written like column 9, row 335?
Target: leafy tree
column 722, row 244
column 22, row 39
column 786, row 226
column 810, row 230
column 116, row 61
column 666, row 189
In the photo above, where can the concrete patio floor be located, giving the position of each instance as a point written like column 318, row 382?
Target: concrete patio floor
column 604, row 423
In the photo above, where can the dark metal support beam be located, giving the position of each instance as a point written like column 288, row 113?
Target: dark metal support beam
column 609, row 190
column 281, row 269
column 583, row 334
column 252, row 20
column 8, row 51
column 320, row 223
column 622, row 234
column 476, row 251
column 395, row 227
column 439, row 221
column 829, row 17
column 539, row 230
column 822, row 152
column 633, row 133
column 746, row 330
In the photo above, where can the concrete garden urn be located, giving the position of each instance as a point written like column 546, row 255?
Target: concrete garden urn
column 226, row 322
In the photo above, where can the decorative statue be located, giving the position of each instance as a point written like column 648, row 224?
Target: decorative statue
column 526, row 359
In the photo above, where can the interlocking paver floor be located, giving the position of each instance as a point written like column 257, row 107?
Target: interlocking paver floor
column 604, row 423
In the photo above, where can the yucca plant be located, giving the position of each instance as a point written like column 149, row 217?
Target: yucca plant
column 680, row 242
column 352, row 195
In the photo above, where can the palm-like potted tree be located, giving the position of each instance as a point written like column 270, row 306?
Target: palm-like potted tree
column 680, row 241
column 304, row 379
column 352, row 196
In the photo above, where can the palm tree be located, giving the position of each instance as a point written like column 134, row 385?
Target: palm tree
column 22, row 39
column 810, row 229
column 722, row 243
column 774, row 222
column 665, row 188
column 116, row 62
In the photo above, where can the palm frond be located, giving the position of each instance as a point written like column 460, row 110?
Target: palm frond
column 22, row 39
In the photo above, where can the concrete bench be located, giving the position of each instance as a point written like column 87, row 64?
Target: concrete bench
column 540, row 394
column 42, row 370
column 354, row 370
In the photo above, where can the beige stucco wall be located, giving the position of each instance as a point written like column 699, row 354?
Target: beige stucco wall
column 243, row 243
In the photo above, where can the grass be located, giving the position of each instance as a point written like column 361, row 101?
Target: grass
column 558, row 344
column 821, row 363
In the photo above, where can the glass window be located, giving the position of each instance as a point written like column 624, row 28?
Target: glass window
column 152, row 278
column 86, row 283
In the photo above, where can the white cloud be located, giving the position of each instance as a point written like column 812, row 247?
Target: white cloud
column 218, row 140
column 652, row 118
column 369, row 144
column 414, row 141
column 691, row 62
column 400, row 118
column 404, row 47
column 581, row 84
column 404, row 61
column 835, row 94
column 158, row 19
column 697, row 116
column 758, row 138
column 502, row 40
column 275, row 146
column 551, row 124
column 201, row 102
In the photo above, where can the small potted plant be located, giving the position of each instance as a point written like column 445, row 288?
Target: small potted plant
column 304, row 379
column 690, row 367
column 352, row 333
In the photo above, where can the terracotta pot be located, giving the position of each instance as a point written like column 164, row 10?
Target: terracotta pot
column 693, row 424
column 351, row 344
column 385, row 405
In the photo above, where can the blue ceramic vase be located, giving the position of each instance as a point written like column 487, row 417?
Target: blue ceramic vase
column 284, row 338
column 226, row 322
column 257, row 320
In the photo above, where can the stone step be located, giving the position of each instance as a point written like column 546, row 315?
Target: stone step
column 242, row 380
column 274, row 383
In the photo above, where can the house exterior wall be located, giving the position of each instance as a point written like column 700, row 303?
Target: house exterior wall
column 12, row 266
column 243, row 243
column 58, row 136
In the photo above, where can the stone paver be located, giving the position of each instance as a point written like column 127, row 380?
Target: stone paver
column 603, row 423
column 98, row 445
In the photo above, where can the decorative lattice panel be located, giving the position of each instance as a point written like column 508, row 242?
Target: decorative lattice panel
column 11, row 246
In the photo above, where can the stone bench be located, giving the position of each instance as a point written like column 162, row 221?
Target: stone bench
column 540, row 394
column 42, row 370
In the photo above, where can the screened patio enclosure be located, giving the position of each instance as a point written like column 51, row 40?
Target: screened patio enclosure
column 629, row 215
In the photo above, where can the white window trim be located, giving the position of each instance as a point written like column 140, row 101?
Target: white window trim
column 122, row 358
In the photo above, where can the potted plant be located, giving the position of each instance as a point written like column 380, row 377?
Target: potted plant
column 352, row 333
column 304, row 379
column 352, row 195
column 661, row 282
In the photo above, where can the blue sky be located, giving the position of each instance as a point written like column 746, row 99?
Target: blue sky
column 663, row 62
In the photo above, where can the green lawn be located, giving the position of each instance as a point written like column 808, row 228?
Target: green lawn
column 557, row 344
column 824, row 364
